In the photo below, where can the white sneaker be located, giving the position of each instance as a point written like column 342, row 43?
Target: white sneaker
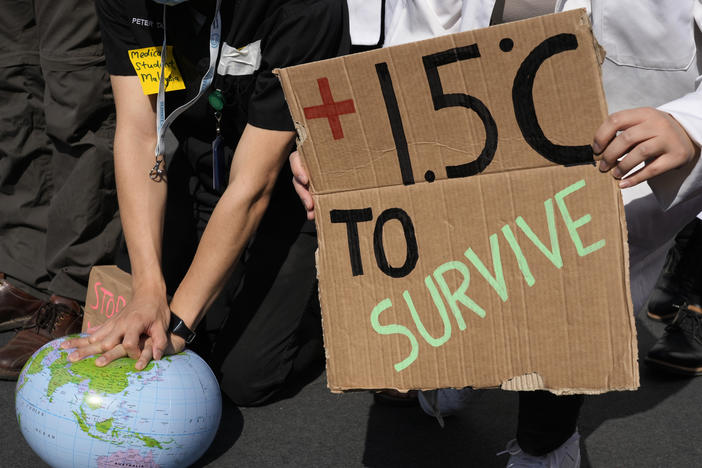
column 565, row 456
column 444, row 401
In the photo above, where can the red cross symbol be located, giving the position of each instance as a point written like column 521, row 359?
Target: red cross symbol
column 330, row 110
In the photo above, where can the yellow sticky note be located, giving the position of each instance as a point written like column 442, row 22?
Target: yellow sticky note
column 147, row 64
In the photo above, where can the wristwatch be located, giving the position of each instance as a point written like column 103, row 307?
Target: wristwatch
column 179, row 328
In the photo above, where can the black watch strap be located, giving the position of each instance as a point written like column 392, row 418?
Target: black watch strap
column 179, row 328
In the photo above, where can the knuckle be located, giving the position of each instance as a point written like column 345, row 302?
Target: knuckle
column 642, row 150
column 128, row 341
column 610, row 158
column 678, row 157
column 627, row 137
column 654, row 170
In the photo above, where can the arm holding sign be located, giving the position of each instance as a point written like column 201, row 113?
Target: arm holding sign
column 668, row 139
column 642, row 135
column 301, row 182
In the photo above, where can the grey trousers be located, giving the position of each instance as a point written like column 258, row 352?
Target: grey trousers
column 58, row 206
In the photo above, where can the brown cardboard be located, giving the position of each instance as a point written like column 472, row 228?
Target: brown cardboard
column 561, row 319
column 109, row 290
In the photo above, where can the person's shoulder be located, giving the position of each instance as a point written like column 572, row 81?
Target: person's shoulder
column 330, row 10
column 127, row 10
column 109, row 8
column 312, row 19
column 115, row 9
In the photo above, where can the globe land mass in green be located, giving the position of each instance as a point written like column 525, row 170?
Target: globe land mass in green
column 108, row 380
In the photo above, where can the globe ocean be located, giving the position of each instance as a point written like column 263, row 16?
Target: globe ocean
column 79, row 415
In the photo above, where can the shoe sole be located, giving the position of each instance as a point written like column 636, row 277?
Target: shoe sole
column 14, row 324
column 660, row 318
column 689, row 371
column 396, row 399
column 9, row 375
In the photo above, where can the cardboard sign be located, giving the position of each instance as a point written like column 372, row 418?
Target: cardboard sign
column 466, row 237
column 109, row 290
column 147, row 64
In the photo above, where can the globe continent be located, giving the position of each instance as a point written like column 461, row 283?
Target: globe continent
column 80, row 415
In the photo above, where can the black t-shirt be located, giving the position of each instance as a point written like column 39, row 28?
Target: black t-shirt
column 273, row 33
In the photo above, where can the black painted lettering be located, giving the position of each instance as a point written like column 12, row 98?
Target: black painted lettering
column 398, row 130
column 410, row 240
column 351, row 218
column 442, row 101
column 524, row 111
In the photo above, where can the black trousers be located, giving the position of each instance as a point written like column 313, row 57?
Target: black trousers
column 546, row 421
column 264, row 331
column 58, row 206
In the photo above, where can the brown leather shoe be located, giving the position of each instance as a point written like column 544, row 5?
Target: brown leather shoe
column 16, row 306
column 54, row 319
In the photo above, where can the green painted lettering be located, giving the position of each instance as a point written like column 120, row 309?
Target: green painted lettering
column 574, row 225
column 394, row 329
column 498, row 280
column 436, row 297
column 553, row 254
column 521, row 259
column 453, row 298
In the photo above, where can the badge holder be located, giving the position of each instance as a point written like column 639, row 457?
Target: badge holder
column 216, row 100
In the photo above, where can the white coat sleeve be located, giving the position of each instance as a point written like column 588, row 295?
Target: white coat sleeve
column 676, row 186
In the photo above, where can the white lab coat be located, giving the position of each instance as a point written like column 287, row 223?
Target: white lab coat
column 654, row 58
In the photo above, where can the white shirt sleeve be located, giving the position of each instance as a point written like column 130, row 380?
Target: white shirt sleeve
column 364, row 21
column 415, row 20
column 685, row 183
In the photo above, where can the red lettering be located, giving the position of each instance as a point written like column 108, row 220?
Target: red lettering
column 121, row 300
column 330, row 109
column 105, row 293
column 97, row 296
column 107, row 307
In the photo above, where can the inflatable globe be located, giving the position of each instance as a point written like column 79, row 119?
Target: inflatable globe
column 80, row 415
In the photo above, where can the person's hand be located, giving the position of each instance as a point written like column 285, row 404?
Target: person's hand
column 302, row 184
column 175, row 344
column 139, row 331
column 645, row 135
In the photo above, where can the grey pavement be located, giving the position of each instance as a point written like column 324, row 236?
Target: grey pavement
column 659, row 425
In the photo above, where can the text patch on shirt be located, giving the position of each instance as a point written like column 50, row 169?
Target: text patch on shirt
column 147, row 64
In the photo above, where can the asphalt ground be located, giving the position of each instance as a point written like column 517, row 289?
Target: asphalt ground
column 656, row 426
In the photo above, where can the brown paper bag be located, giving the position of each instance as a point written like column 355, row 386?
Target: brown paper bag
column 109, row 290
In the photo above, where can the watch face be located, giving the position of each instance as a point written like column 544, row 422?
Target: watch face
column 179, row 328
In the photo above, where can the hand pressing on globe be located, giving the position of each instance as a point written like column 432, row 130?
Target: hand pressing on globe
column 139, row 331
column 630, row 137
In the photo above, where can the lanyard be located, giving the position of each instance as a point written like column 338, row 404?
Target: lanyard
column 162, row 122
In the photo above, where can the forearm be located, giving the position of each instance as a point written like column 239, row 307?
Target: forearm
column 142, row 207
column 236, row 217
column 141, row 200
column 233, row 222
